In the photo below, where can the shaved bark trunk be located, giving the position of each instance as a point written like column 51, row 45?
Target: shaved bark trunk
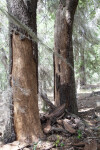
column 24, row 73
column 64, row 71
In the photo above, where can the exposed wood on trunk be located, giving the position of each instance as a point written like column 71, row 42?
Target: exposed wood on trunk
column 64, row 71
column 26, row 113
column 24, row 72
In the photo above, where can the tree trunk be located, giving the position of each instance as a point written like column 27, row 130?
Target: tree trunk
column 23, row 70
column 64, row 71
column 82, row 69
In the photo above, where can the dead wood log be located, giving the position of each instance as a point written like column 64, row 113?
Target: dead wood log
column 60, row 122
column 68, row 127
column 80, row 144
column 52, row 117
column 55, row 129
column 47, row 101
column 47, row 127
column 60, row 117
column 57, row 112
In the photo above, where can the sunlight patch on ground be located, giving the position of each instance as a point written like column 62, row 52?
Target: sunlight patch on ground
column 87, row 91
column 85, row 109
column 98, row 103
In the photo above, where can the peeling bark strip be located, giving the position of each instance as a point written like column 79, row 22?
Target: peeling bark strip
column 24, row 72
column 64, row 74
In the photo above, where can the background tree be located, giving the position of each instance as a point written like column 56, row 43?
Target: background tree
column 23, row 70
column 3, row 52
column 64, row 71
column 86, row 42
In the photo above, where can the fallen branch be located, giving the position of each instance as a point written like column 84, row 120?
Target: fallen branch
column 68, row 127
column 55, row 129
column 47, row 127
column 47, row 101
column 80, row 144
column 57, row 112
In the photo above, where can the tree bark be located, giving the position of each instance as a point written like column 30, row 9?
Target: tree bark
column 64, row 71
column 23, row 70
column 82, row 69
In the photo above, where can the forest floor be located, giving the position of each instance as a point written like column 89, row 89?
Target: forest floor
column 87, row 136
column 72, row 132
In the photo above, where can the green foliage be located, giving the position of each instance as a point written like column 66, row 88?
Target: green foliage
column 35, row 146
column 58, row 142
column 86, row 38
column 79, row 132
column 82, row 3
column 86, row 32
column 61, row 144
